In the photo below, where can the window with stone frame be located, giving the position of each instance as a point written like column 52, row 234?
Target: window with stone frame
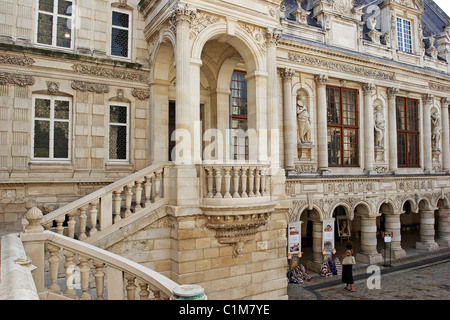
column 120, row 34
column 342, row 126
column 404, row 37
column 119, row 116
column 407, row 114
column 55, row 23
column 238, row 111
column 51, row 128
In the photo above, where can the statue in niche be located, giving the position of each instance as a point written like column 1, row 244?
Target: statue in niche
column 435, row 131
column 303, row 122
column 379, row 126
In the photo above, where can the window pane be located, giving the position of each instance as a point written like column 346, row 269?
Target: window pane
column 61, row 140
column 41, row 138
column 65, row 7
column 61, row 109
column 413, row 150
column 350, row 147
column 333, row 106
column 413, row 120
column 401, row 125
column 64, row 33
column 120, row 19
column 42, row 108
column 118, row 114
column 401, row 149
column 45, row 29
column 46, row 5
column 119, row 42
column 118, row 142
column 334, row 146
column 349, row 107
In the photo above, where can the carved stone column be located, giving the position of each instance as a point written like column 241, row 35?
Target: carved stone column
column 369, row 148
column 317, row 256
column 392, row 129
column 322, row 134
column 444, row 227
column 445, row 134
column 427, row 231
column 427, row 145
column 369, row 253
column 272, row 96
column 290, row 124
column 392, row 224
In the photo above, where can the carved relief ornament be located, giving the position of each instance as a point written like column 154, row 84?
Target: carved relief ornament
column 110, row 73
column 18, row 79
column 16, row 60
column 89, row 86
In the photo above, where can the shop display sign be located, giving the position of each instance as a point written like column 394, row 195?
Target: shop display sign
column 294, row 237
column 328, row 239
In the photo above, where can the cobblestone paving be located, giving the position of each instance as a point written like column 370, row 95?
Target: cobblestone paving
column 427, row 282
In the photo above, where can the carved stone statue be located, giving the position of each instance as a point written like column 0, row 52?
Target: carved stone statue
column 303, row 122
column 435, row 131
column 379, row 127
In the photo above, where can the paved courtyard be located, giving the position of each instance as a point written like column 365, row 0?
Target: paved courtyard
column 429, row 281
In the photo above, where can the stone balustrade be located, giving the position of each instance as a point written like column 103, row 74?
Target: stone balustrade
column 139, row 192
column 234, row 181
column 98, row 273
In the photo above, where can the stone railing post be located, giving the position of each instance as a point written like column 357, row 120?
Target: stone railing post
column 189, row 292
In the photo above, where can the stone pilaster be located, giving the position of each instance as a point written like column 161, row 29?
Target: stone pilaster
column 427, row 146
column 369, row 148
column 445, row 134
column 392, row 129
column 322, row 133
column 290, row 125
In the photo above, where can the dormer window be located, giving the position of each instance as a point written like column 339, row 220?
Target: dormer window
column 404, row 35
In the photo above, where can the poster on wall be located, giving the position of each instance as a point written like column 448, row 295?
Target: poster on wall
column 328, row 239
column 343, row 226
column 294, row 237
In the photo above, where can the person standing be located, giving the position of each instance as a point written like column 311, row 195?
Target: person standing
column 347, row 269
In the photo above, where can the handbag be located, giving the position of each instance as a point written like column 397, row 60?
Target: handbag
column 350, row 259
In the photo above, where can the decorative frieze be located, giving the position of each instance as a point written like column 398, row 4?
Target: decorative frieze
column 90, row 86
column 20, row 80
column 340, row 67
column 439, row 87
column 141, row 94
column 16, row 60
column 103, row 72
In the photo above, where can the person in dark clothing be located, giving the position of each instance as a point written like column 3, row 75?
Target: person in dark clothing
column 347, row 269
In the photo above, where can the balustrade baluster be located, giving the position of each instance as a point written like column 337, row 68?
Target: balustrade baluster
column 128, row 199
column 71, row 224
column 83, row 218
column 144, row 293
column 117, row 200
column 266, row 182
column 218, row 171
column 209, row 182
column 69, row 267
column 93, row 215
column 156, row 295
column 158, row 174
column 99, row 279
column 148, row 190
column 131, row 287
column 84, row 277
column 236, row 182
column 59, row 225
column 48, row 226
column 257, row 181
column 227, row 177
column 138, row 195
column 53, row 262
column 244, row 182
column 251, row 181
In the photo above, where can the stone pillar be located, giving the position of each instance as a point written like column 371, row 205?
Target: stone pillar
column 427, row 231
column 427, row 145
column 392, row 129
column 272, row 96
column 369, row 253
column 317, row 256
column 445, row 134
column 290, row 123
column 322, row 131
column 369, row 143
column 444, row 227
column 392, row 224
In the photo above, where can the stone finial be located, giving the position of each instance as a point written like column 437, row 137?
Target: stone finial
column 34, row 216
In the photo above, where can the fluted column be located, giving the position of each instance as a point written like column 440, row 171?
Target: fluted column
column 369, row 144
column 392, row 128
column 427, row 145
column 290, row 125
column 322, row 134
column 427, row 231
column 445, row 134
column 272, row 96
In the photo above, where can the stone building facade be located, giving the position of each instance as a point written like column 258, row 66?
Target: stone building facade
column 262, row 113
